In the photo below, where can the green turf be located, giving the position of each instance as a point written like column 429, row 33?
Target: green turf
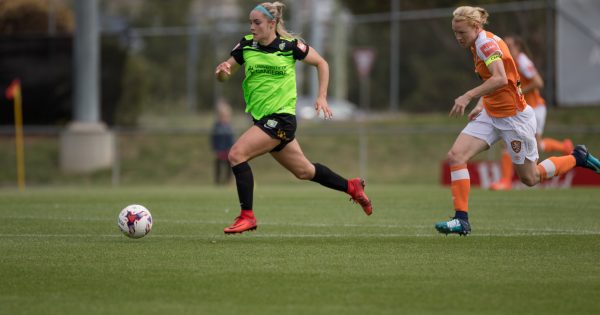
column 531, row 252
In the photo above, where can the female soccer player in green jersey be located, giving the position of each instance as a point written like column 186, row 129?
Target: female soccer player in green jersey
column 269, row 55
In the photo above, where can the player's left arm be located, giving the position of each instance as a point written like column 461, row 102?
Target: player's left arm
column 476, row 110
column 314, row 59
column 496, row 81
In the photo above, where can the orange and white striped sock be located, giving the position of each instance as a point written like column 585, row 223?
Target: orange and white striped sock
column 555, row 166
column 460, row 186
column 506, row 165
column 551, row 145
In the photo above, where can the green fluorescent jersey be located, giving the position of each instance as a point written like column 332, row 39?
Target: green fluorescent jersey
column 270, row 82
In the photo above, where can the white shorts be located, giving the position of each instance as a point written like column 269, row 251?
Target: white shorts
column 518, row 133
column 540, row 118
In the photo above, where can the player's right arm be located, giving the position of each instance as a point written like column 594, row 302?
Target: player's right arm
column 496, row 81
column 489, row 52
column 226, row 69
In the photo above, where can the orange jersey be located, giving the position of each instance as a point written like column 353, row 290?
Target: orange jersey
column 527, row 71
column 507, row 100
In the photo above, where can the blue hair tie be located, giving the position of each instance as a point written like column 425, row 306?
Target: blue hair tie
column 265, row 11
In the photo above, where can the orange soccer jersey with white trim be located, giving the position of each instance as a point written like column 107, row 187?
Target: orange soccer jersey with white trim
column 527, row 72
column 507, row 100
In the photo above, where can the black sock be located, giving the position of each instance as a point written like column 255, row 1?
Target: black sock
column 244, row 181
column 463, row 215
column 327, row 178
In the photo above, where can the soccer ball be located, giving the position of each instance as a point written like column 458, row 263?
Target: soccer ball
column 135, row 221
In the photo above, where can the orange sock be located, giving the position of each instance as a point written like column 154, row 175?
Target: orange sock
column 507, row 166
column 460, row 186
column 551, row 145
column 555, row 166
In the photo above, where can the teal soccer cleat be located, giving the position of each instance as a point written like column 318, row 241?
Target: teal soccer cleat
column 584, row 159
column 454, row 226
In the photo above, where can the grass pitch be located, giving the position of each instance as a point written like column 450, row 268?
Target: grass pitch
column 531, row 252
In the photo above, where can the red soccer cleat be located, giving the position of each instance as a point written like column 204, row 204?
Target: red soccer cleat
column 241, row 225
column 356, row 190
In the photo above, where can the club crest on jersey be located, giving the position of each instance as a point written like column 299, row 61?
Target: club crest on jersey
column 281, row 135
column 516, row 146
column 271, row 123
column 281, row 46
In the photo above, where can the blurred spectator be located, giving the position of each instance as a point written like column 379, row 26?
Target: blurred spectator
column 221, row 141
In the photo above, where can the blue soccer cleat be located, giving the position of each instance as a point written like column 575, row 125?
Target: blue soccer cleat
column 454, row 226
column 584, row 159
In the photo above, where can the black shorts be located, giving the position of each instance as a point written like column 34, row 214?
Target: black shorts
column 278, row 126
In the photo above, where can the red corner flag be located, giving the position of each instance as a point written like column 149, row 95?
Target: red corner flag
column 13, row 89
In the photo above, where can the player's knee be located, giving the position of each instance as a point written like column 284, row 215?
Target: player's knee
column 235, row 157
column 454, row 157
column 529, row 180
column 303, row 174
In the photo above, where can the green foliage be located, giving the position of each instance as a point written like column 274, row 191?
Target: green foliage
column 113, row 74
column 433, row 69
column 135, row 90
column 430, row 91
column 161, row 13
column 166, row 57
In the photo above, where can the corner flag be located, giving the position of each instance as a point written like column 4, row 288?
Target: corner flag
column 13, row 92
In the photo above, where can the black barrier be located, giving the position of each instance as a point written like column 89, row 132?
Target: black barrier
column 45, row 67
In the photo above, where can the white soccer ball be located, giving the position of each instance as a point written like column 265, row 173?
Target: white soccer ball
column 135, row 221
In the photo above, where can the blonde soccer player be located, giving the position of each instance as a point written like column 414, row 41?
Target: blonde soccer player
column 268, row 56
column 500, row 114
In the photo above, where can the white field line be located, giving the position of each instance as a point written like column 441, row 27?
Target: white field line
column 258, row 234
column 519, row 231
column 479, row 232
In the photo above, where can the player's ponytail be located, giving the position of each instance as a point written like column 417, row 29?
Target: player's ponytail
column 475, row 16
column 276, row 10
